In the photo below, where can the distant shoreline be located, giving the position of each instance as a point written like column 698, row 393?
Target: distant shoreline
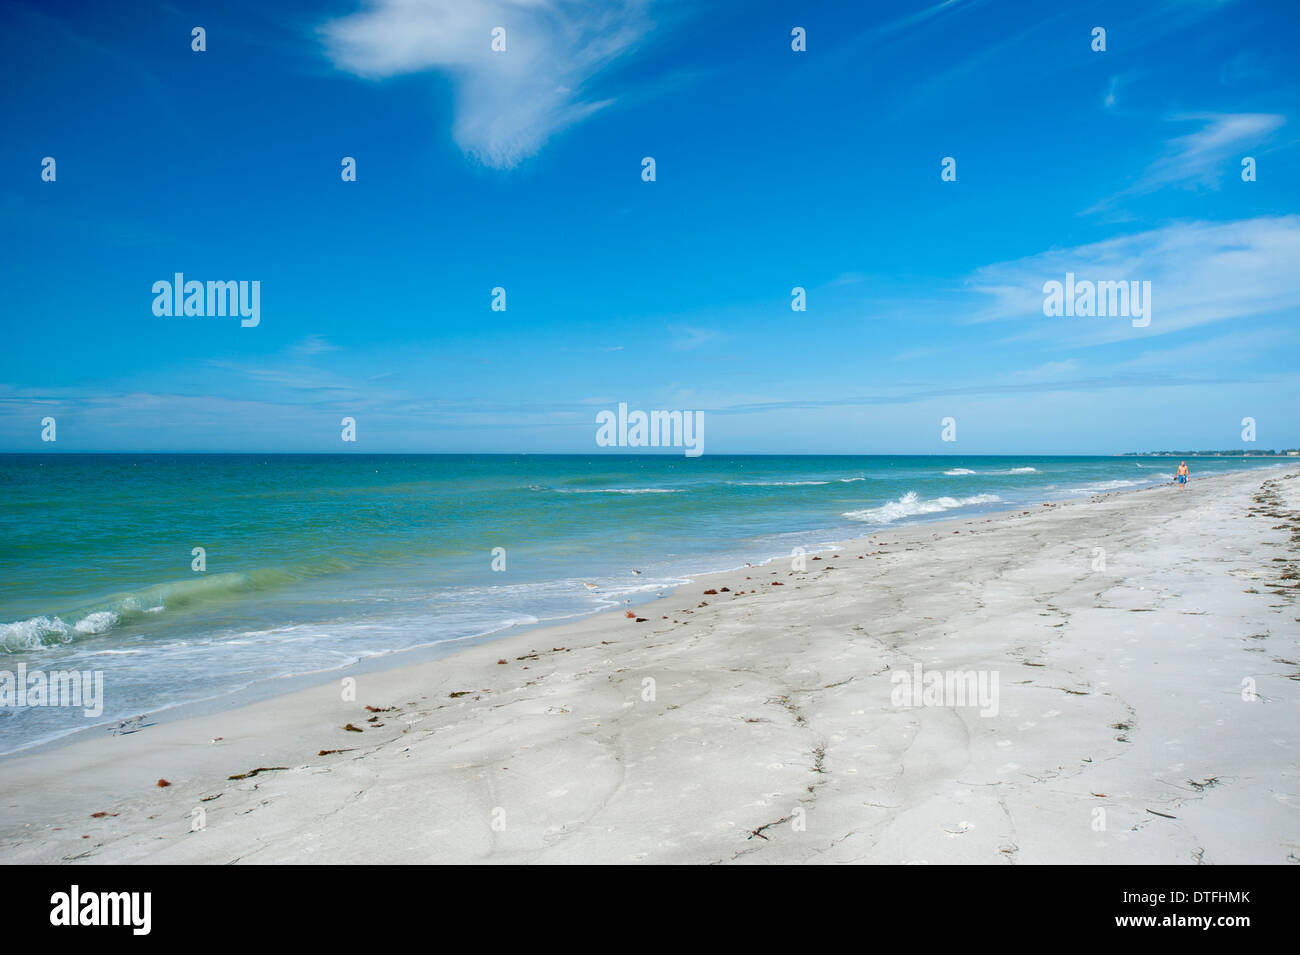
column 1285, row 453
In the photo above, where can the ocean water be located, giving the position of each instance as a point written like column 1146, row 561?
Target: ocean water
column 314, row 562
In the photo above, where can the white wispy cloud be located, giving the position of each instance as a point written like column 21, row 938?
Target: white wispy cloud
column 311, row 345
column 685, row 337
column 1201, row 158
column 923, row 15
column 1217, row 352
column 507, row 104
column 1117, row 85
column 1051, row 371
column 1200, row 273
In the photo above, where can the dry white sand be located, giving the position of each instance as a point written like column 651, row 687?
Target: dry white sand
column 1123, row 734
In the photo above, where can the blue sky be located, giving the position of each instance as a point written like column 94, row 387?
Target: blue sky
column 775, row 169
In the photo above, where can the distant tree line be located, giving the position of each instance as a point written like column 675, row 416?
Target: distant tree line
column 1234, row 453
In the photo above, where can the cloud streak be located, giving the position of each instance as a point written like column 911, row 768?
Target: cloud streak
column 1200, row 158
column 507, row 104
column 1200, row 273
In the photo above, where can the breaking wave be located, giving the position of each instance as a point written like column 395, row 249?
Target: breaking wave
column 910, row 505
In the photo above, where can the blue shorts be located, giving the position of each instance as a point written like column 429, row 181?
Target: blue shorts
column 1182, row 479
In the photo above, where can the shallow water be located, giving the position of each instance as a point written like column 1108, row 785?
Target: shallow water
column 316, row 561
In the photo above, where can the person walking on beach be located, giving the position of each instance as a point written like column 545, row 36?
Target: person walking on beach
column 1182, row 474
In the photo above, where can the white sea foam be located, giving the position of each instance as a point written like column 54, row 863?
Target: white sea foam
column 1100, row 486
column 31, row 634
column 910, row 505
column 616, row 490
column 523, row 620
column 36, row 632
column 779, row 483
column 273, row 630
column 96, row 622
column 955, row 471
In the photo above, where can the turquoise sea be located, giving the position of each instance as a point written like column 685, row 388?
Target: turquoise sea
column 314, row 562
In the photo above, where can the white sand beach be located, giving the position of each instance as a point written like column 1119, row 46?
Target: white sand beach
column 1122, row 734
